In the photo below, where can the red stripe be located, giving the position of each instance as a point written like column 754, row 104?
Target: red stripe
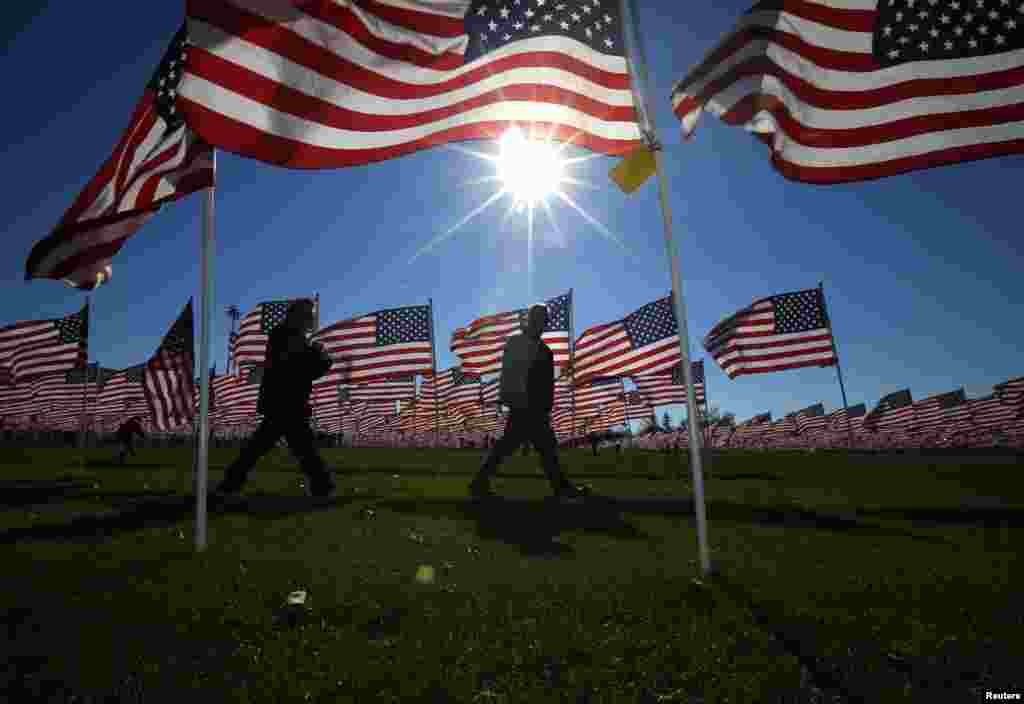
column 892, row 167
column 733, row 344
column 243, row 139
column 202, row 178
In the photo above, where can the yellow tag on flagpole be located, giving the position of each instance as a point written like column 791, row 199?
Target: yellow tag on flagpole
column 634, row 170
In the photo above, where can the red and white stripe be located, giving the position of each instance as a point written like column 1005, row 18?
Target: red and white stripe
column 803, row 79
column 352, row 344
column 33, row 348
column 335, row 83
column 660, row 390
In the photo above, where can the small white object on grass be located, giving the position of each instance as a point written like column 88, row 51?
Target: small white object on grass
column 425, row 574
column 297, row 598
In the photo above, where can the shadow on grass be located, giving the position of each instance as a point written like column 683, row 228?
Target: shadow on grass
column 35, row 491
column 531, row 524
column 1011, row 517
column 141, row 510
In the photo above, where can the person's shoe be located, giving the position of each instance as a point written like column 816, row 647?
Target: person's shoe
column 481, row 490
column 571, row 492
column 321, row 488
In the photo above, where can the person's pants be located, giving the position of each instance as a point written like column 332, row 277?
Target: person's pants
column 298, row 434
column 127, row 448
column 525, row 427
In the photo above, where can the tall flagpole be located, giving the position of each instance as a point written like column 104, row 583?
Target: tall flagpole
column 839, row 369
column 206, row 269
column 85, row 387
column 638, row 74
column 572, row 362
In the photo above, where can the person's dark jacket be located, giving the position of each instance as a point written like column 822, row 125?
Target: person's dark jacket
column 528, row 374
column 129, row 428
column 291, row 366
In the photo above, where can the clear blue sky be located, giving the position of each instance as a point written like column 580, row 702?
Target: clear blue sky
column 922, row 272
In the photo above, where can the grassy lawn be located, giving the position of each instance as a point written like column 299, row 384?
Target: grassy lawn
column 839, row 579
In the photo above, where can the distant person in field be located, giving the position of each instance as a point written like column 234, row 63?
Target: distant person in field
column 292, row 364
column 126, row 435
column 528, row 389
column 593, row 442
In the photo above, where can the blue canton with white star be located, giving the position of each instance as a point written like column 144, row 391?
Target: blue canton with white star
column 558, row 314
column 400, row 325
column 460, row 377
column 696, row 370
column 165, row 80
column 935, row 30
column 652, row 323
column 134, row 374
column 272, row 314
column 73, row 328
column 799, row 312
column 179, row 337
column 492, row 24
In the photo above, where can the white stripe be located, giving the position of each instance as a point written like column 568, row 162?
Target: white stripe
column 767, row 344
column 105, row 199
column 750, row 364
column 90, row 239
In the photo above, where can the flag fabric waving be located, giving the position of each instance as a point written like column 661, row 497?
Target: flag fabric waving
column 167, row 379
column 665, row 389
column 157, row 160
column 850, row 90
column 34, row 347
column 480, row 345
column 785, row 331
column 328, row 84
column 894, row 413
column 387, row 344
column 644, row 342
column 250, row 346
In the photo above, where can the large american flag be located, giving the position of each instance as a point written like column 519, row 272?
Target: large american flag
column 785, row 331
column 157, row 160
column 594, row 394
column 335, row 83
column 250, row 347
column 34, row 347
column 667, row 389
column 388, row 344
column 644, row 342
column 167, row 379
column 480, row 344
column 849, row 90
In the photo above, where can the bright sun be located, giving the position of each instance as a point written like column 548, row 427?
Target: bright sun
column 529, row 169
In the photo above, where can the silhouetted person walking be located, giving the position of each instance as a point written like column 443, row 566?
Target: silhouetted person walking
column 593, row 443
column 528, row 389
column 292, row 364
column 125, row 436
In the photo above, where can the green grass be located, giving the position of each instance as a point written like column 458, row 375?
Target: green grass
column 867, row 580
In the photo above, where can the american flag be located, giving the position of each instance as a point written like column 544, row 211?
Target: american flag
column 894, row 413
column 667, row 389
column 1011, row 392
column 232, row 341
column 489, row 392
column 850, row 90
column 837, row 420
column 592, row 395
column 989, row 413
column 749, row 430
column 931, row 414
column 34, row 347
column 255, row 328
column 480, row 344
column 637, row 406
column 332, row 84
column 167, row 379
column 465, row 391
column 122, row 395
column 157, row 160
column 809, row 420
column 785, row 331
column 388, row 344
column 644, row 342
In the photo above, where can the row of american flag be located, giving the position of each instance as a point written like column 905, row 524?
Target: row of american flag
column 839, row 90
column 46, row 381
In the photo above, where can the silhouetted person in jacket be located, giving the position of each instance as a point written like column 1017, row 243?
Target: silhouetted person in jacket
column 593, row 443
column 125, row 436
column 528, row 389
column 291, row 366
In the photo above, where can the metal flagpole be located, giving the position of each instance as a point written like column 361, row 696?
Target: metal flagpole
column 839, row 369
column 572, row 362
column 638, row 74
column 85, row 380
column 206, row 269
